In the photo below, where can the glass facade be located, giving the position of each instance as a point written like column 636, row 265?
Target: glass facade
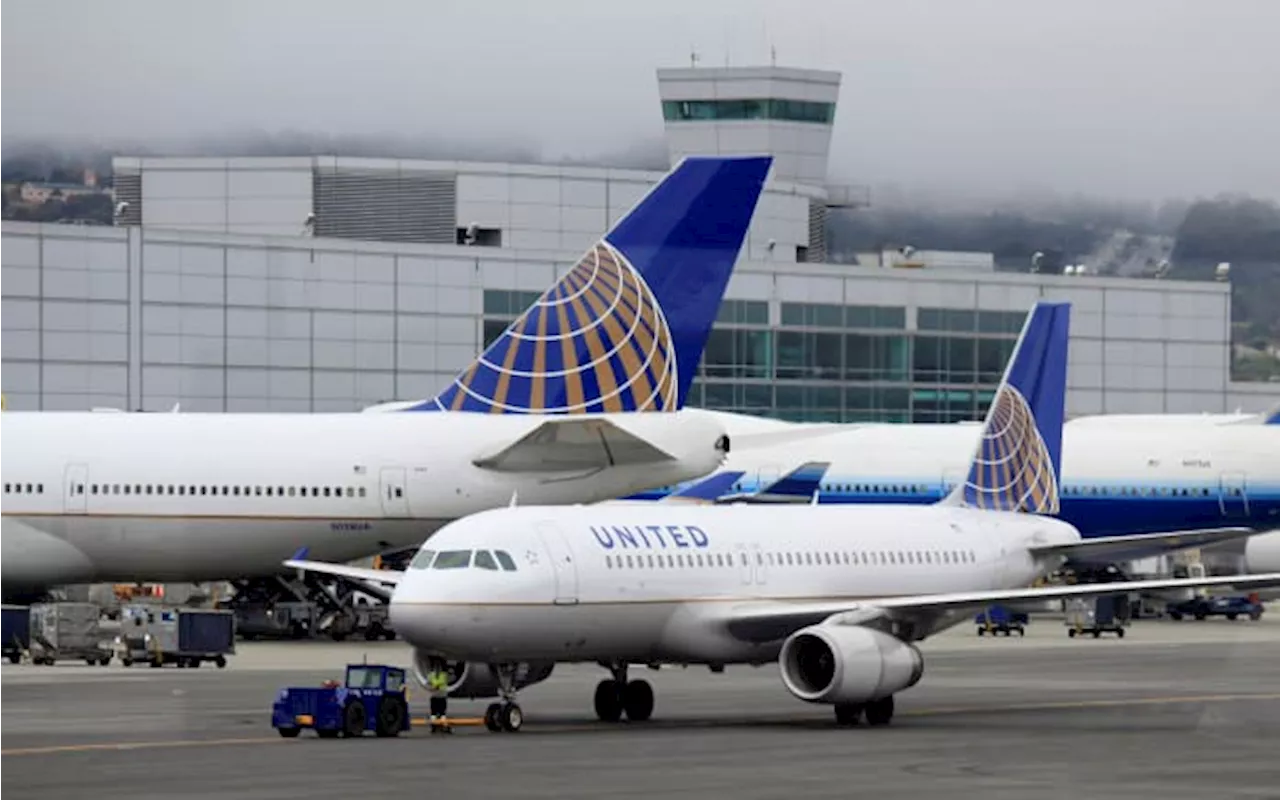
column 766, row 108
column 835, row 363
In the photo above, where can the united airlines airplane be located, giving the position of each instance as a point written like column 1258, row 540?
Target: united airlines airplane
column 190, row 497
column 1118, row 477
column 837, row 595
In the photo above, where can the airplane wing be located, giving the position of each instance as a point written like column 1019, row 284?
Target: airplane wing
column 565, row 443
column 771, row 621
column 370, row 581
column 797, row 486
column 1109, row 549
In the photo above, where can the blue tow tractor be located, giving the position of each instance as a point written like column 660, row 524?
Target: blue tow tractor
column 373, row 699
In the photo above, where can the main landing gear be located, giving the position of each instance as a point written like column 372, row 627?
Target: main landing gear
column 878, row 712
column 506, row 715
column 617, row 696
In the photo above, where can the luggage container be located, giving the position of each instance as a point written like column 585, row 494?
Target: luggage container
column 186, row 637
column 1108, row 613
column 1001, row 619
column 17, row 632
column 67, row 630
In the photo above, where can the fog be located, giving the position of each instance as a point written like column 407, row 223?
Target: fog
column 1143, row 99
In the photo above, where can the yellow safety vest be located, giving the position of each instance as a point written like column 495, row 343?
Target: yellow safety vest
column 438, row 682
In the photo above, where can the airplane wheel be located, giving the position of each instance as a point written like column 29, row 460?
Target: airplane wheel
column 289, row 733
column 848, row 713
column 879, row 712
column 511, row 717
column 1120, row 632
column 608, row 701
column 491, row 714
column 638, row 699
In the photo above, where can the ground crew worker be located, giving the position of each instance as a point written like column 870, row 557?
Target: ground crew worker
column 438, row 686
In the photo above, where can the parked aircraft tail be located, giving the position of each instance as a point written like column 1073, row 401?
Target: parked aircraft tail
column 1018, row 459
column 624, row 330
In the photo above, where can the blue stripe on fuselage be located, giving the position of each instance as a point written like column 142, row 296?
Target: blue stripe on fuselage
column 1094, row 509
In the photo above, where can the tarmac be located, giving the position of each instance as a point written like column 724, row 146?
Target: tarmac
column 1174, row 710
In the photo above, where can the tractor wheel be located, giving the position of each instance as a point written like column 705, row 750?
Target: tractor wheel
column 353, row 719
column 391, row 714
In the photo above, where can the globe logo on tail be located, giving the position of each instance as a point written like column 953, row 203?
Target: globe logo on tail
column 1013, row 470
column 597, row 341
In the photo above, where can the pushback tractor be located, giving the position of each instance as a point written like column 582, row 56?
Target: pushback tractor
column 373, row 698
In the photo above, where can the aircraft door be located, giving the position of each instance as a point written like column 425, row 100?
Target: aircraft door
column 566, row 572
column 759, row 563
column 742, row 560
column 1233, row 496
column 395, row 501
column 75, row 488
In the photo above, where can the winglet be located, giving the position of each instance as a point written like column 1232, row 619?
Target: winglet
column 1016, row 464
column 624, row 329
column 301, row 555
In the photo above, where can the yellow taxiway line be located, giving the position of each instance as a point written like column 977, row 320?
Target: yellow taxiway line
column 477, row 721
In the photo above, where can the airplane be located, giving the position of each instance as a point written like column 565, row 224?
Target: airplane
column 836, row 595
column 1117, row 479
column 585, row 393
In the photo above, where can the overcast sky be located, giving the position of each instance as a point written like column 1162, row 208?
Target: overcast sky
column 1133, row 99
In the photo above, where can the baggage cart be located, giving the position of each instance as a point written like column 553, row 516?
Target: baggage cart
column 187, row 637
column 1000, row 619
column 17, row 632
column 1107, row 613
column 67, row 630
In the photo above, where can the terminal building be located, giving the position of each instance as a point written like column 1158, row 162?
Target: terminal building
column 332, row 283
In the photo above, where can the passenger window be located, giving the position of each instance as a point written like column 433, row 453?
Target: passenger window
column 630, row 563
column 485, row 561
column 326, row 491
column 362, row 491
column 608, row 562
column 181, row 490
column 351, row 492
column 452, row 559
column 422, row 560
column 235, row 490
column 650, row 560
column 269, row 491
column 399, row 492
column 293, row 490
column 504, row 558
column 126, row 488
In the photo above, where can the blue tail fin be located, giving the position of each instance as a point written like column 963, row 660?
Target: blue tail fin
column 624, row 330
column 705, row 491
column 1019, row 456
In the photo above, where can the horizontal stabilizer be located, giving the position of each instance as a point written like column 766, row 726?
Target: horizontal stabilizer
column 1110, row 549
column 568, row 443
column 771, row 621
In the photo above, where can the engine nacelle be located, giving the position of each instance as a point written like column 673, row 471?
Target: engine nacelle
column 473, row 681
column 847, row 664
column 1262, row 553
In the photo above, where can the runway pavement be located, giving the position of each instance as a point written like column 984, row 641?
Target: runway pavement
column 1174, row 710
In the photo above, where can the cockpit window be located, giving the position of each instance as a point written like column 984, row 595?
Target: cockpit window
column 422, row 560
column 453, row 559
column 484, row 560
column 505, row 560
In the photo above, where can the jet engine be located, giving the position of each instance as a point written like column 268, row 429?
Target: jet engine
column 1262, row 552
column 847, row 664
column 471, row 680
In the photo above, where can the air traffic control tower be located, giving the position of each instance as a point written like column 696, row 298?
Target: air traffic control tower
column 782, row 111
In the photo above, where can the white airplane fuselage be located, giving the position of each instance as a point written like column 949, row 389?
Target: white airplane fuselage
column 653, row 584
column 192, row 497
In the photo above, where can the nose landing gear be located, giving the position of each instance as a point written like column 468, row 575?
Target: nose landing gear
column 506, row 715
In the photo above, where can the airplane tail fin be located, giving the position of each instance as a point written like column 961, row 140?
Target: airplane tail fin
column 800, row 485
column 705, row 491
column 624, row 330
column 1018, row 460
